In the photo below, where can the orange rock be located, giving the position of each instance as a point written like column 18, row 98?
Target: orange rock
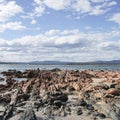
column 113, row 91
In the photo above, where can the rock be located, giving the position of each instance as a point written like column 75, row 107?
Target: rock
column 14, row 97
column 32, row 74
column 112, row 91
column 89, row 107
column 108, row 110
column 97, row 115
column 8, row 112
column 10, row 82
column 102, row 116
column 5, row 99
column 28, row 114
column 104, row 86
column 79, row 111
column 56, row 70
column 2, row 110
column 27, row 87
column 62, row 98
column 80, row 102
column 37, row 104
column 1, row 79
column 20, row 104
column 117, row 86
column 58, row 103
column 49, row 90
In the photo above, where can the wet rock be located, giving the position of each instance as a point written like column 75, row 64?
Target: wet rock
column 28, row 114
column 10, row 82
column 18, row 74
column 32, row 74
column 56, row 70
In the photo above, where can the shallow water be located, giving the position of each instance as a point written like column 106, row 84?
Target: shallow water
column 22, row 67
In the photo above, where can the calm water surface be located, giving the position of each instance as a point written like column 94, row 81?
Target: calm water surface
column 4, row 67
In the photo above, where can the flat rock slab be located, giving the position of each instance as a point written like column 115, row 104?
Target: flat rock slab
column 2, row 108
column 75, row 117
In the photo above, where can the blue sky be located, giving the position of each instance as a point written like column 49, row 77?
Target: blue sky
column 64, row 30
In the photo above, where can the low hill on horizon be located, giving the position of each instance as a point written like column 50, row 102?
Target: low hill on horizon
column 63, row 63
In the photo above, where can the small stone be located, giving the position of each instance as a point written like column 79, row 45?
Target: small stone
column 102, row 116
column 80, row 103
column 58, row 103
column 89, row 107
column 79, row 111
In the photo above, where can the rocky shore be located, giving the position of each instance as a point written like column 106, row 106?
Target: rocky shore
column 60, row 95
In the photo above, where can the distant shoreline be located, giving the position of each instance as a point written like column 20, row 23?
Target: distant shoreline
column 103, row 63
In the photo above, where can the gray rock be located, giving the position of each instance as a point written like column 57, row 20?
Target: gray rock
column 28, row 114
column 108, row 110
column 8, row 112
column 58, row 103
column 80, row 103
column 79, row 111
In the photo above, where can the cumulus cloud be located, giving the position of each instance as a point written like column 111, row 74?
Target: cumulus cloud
column 8, row 10
column 61, row 45
column 33, row 21
column 82, row 6
column 57, row 5
column 115, row 18
column 89, row 7
column 12, row 26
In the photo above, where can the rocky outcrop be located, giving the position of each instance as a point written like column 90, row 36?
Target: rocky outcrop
column 60, row 93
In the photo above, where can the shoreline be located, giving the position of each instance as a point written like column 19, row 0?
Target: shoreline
column 60, row 95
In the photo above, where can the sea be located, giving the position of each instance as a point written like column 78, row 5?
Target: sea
column 22, row 67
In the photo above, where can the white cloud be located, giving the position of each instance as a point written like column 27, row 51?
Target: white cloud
column 38, row 11
column 115, row 18
column 61, row 45
column 112, row 3
column 33, row 21
column 8, row 10
column 99, row 1
column 12, row 26
column 82, row 6
column 1, row 1
column 102, row 8
column 57, row 4
column 97, row 11
column 89, row 7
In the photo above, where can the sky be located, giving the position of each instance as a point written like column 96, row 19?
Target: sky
column 59, row 30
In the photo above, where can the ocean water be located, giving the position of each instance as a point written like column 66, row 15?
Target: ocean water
column 22, row 67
